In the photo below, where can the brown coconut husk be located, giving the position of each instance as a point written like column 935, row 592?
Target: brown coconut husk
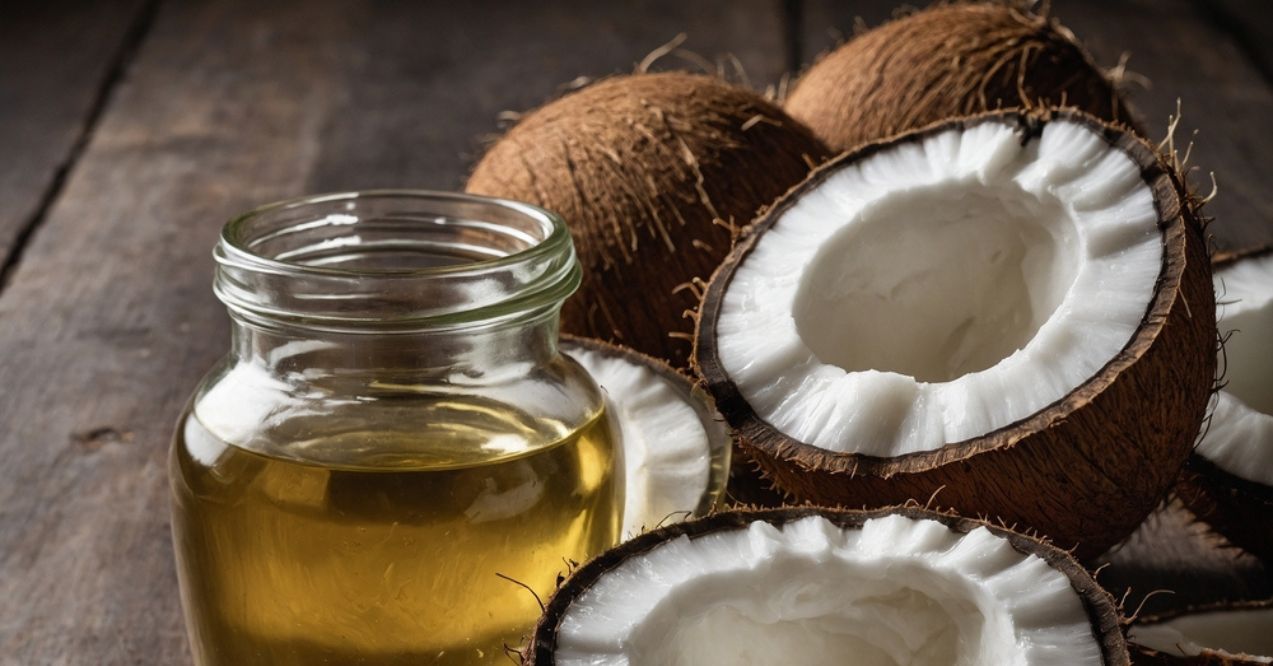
column 1101, row 608
column 1084, row 471
column 653, row 173
column 948, row 61
column 1237, row 509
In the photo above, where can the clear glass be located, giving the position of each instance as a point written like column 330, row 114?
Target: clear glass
column 394, row 454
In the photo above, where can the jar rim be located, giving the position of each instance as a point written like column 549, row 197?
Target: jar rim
column 261, row 285
column 234, row 239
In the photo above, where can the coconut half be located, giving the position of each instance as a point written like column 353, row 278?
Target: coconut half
column 1228, row 483
column 675, row 445
column 814, row 587
column 1014, row 310
column 1235, row 633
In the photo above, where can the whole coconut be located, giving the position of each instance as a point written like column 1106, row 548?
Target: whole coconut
column 653, row 173
column 948, row 61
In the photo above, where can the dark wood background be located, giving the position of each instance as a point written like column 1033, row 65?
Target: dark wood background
column 131, row 129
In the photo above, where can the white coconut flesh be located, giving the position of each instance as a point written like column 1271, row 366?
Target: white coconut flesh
column 896, row 592
column 671, row 446
column 941, row 289
column 1234, row 632
column 1240, row 438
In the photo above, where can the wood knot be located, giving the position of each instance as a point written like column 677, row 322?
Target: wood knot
column 95, row 439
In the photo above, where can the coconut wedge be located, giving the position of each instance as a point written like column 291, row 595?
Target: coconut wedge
column 1228, row 482
column 1010, row 314
column 822, row 587
column 1223, row 634
column 675, row 445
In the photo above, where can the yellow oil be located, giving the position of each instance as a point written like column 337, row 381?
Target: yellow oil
column 385, row 546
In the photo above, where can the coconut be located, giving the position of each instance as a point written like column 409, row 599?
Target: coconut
column 652, row 172
column 1228, row 482
column 675, row 445
column 814, row 587
column 1010, row 314
column 948, row 61
column 1226, row 633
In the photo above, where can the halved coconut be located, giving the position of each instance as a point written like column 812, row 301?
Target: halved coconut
column 675, row 445
column 1228, row 482
column 1010, row 313
column 813, row 587
column 1234, row 633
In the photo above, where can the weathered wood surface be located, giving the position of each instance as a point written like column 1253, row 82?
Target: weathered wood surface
column 107, row 320
column 1186, row 56
column 59, row 60
column 1250, row 22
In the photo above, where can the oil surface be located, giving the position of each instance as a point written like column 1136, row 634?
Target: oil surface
column 379, row 546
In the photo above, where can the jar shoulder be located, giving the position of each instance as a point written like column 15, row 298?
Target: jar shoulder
column 242, row 402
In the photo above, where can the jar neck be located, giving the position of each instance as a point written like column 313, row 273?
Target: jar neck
column 419, row 285
column 468, row 355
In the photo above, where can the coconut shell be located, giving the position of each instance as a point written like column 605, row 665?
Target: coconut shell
column 1106, row 619
column 1086, row 470
column 652, row 173
column 1239, row 510
column 748, row 486
column 1144, row 656
column 944, row 62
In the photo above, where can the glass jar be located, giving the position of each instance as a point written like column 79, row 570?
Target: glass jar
column 393, row 455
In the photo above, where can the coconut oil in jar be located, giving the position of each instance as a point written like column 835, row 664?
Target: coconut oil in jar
column 389, row 489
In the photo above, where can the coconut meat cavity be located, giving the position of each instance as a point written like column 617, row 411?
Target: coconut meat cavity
column 897, row 591
column 1240, row 439
column 943, row 288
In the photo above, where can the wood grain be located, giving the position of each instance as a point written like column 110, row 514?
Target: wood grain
column 420, row 119
column 1222, row 93
column 56, row 60
column 1250, row 23
column 109, row 319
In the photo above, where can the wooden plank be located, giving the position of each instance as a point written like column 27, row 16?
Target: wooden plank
column 56, row 59
column 1225, row 96
column 1222, row 92
column 1250, row 22
column 421, row 121
column 109, row 319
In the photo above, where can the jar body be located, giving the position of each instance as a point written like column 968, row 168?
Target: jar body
column 343, row 537
column 378, row 498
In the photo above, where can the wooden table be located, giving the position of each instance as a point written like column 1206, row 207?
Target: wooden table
column 131, row 129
